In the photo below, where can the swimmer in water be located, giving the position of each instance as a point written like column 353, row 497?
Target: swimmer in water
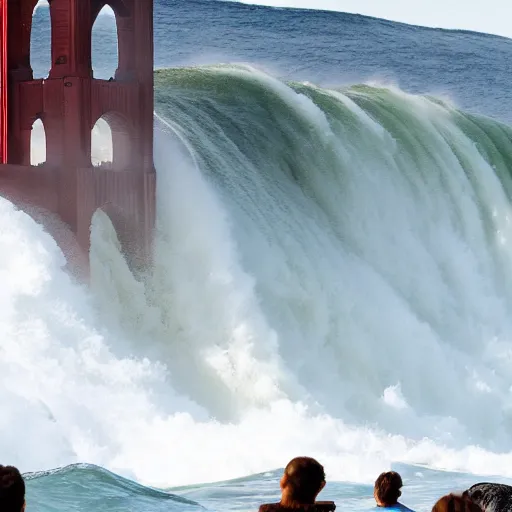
column 12, row 490
column 387, row 490
column 302, row 481
column 455, row 503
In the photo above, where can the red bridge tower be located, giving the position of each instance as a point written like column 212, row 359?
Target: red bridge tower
column 68, row 103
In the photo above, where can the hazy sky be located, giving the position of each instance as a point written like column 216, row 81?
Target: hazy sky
column 491, row 16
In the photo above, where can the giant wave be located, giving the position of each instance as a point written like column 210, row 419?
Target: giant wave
column 332, row 277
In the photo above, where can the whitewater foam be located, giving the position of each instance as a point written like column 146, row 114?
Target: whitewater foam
column 327, row 281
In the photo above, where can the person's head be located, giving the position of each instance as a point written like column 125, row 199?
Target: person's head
column 302, row 480
column 387, row 489
column 456, row 503
column 12, row 490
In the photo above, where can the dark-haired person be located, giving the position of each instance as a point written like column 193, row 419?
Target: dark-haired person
column 455, row 503
column 491, row 496
column 387, row 490
column 302, row 481
column 12, row 490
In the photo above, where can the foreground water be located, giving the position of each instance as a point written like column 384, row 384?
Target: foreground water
column 332, row 276
column 70, row 489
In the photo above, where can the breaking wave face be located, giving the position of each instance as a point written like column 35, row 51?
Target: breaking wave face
column 332, row 277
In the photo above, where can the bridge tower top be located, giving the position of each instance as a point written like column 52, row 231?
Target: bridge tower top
column 71, row 100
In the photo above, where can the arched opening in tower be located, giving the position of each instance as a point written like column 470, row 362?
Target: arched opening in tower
column 112, row 142
column 102, row 150
column 38, row 143
column 105, row 51
column 41, row 40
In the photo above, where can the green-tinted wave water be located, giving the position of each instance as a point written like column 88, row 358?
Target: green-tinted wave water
column 395, row 187
column 83, row 486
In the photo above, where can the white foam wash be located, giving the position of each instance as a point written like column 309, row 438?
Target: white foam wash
column 332, row 277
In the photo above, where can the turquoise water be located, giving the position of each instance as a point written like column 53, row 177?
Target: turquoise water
column 331, row 277
column 70, row 489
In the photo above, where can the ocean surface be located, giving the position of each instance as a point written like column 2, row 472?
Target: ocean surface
column 332, row 274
